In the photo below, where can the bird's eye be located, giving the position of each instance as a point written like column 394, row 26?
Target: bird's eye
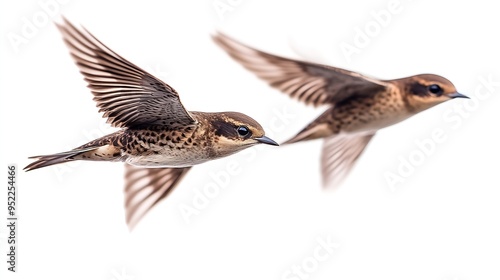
column 435, row 89
column 243, row 131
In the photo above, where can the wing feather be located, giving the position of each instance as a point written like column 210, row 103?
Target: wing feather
column 311, row 83
column 126, row 94
column 145, row 187
column 340, row 153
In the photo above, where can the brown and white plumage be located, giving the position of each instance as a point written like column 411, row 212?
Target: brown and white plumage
column 128, row 95
column 159, row 139
column 145, row 187
column 313, row 84
column 339, row 155
column 358, row 105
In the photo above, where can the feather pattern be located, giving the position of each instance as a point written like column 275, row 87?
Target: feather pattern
column 313, row 84
column 145, row 187
column 340, row 153
column 127, row 95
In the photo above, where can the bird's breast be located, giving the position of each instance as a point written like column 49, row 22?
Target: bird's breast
column 370, row 114
column 166, row 148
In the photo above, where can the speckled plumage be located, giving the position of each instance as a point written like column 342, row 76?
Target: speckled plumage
column 358, row 105
column 159, row 139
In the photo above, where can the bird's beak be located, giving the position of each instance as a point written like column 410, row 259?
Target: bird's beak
column 266, row 140
column 457, row 95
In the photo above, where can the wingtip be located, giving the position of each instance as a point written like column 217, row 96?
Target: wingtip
column 60, row 21
column 131, row 226
column 225, row 41
column 329, row 186
column 218, row 33
column 332, row 183
column 215, row 34
column 218, row 38
column 66, row 21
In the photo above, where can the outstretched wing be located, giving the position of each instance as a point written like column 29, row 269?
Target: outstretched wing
column 127, row 95
column 307, row 82
column 339, row 155
column 145, row 187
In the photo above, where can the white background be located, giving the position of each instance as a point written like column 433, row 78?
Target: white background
column 442, row 222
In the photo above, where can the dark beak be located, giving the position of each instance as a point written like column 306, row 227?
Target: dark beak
column 266, row 140
column 457, row 95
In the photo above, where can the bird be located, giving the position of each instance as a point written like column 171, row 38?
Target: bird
column 158, row 139
column 357, row 105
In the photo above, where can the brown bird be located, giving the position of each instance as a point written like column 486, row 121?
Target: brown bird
column 159, row 139
column 358, row 105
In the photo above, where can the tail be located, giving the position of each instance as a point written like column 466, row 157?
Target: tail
column 311, row 132
column 48, row 160
column 100, row 149
column 321, row 127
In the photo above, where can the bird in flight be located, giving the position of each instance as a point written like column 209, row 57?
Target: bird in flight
column 357, row 105
column 159, row 140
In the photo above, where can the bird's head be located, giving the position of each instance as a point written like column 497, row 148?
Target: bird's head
column 427, row 90
column 236, row 131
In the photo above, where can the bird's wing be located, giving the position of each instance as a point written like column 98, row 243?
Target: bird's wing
column 145, row 187
column 339, row 155
column 127, row 95
column 310, row 83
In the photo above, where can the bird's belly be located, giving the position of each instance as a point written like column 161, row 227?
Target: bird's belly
column 374, row 123
column 385, row 122
column 168, row 158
